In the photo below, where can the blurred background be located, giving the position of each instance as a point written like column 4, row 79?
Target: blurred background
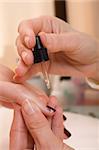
column 73, row 93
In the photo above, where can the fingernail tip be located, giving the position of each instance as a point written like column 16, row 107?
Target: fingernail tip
column 67, row 132
column 64, row 117
column 51, row 108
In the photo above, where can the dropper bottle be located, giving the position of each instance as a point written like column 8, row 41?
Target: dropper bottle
column 41, row 56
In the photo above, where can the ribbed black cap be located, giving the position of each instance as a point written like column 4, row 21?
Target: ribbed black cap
column 40, row 52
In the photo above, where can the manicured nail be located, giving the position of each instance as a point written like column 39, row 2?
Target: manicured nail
column 68, row 134
column 64, row 117
column 27, row 107
column 51, row 109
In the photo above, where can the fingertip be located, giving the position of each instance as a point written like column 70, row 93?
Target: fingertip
column 52, row 97
column 27, row 57
column 53, row 101
column 43, row 38
column 21, row 68
column 29, row 41
column 65, row 136
column 67, row 133
column 47, row 110
column 48, row 40
column 18, row 72
column 17, row 79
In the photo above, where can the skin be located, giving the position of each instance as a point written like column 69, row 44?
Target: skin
column 73, row 52
column 30, row 126
column 17, row 93
column 40, row 130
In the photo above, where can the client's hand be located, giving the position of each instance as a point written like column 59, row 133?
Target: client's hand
column 17, row 93
column 14, row 95
column 44, row 135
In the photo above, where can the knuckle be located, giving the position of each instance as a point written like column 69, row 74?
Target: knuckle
column 35, row 123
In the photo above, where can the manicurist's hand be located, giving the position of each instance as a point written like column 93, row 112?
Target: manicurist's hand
column 46, row 133
column 71, row 52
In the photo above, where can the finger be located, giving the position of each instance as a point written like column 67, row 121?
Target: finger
column 19, row 133
column 14, row 95
column 20, row 93
column 67, row 134
column 27, row 72
column 60, row 42
column 37, row 123
column 6, row 74
column 57, row 119
column 54, row 104
column 29, row 28
column 24, row 52
column 27, row 34
column 57, row 123
column 51, row 104
column 6, row 104
column 28, row 149
column 41, row 101
column 21, row 68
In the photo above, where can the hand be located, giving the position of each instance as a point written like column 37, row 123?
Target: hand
column 73, row 52
column 17, row 93
column 39, row 128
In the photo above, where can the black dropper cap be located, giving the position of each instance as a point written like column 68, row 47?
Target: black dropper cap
column 40, row 52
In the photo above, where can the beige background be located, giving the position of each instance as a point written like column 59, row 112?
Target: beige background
column 11, row 13
column 84, row 15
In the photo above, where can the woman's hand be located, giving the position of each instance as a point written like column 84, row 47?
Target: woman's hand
column 18, row 93
column 73, row 52
column 46, row 133
column 12, row 96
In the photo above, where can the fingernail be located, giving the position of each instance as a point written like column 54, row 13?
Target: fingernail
column 64, row 117
column 65, row 136
column 68, row 134
column 27, row 107
column 51, row 109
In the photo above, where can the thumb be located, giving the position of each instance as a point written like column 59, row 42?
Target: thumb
column 60, row 42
